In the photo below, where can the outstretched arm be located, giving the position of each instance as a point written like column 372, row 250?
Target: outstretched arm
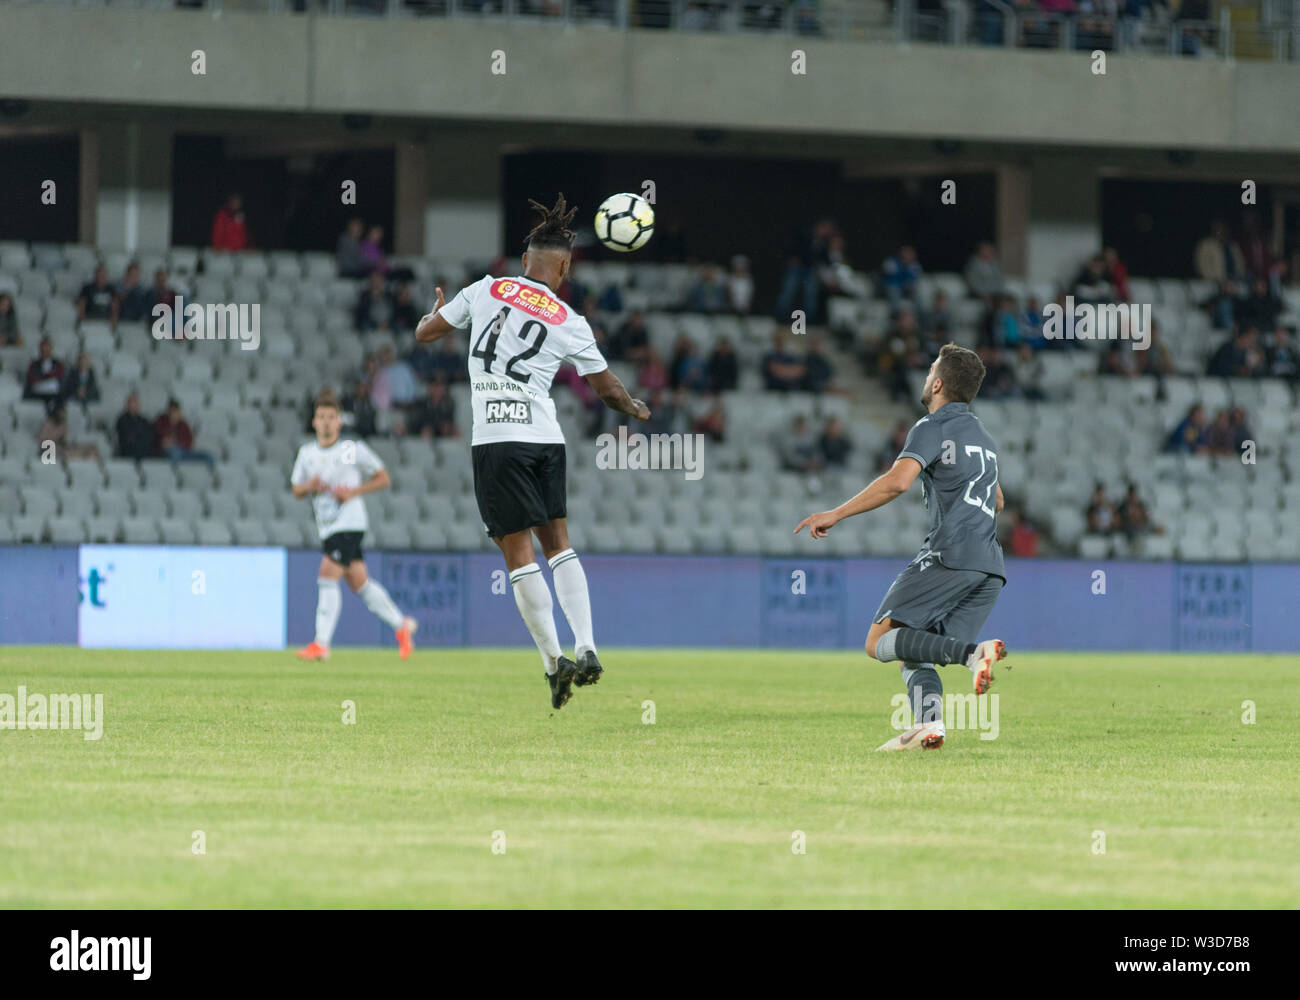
column 615, row 396
column 433, row 327
column 879, row 492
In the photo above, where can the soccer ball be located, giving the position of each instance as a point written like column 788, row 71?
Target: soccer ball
column 625, row 222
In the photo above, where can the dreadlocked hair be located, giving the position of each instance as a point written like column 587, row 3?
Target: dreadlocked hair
column 552, row 231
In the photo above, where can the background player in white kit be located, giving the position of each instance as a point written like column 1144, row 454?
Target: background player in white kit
column 336, row 474
column 520, row 333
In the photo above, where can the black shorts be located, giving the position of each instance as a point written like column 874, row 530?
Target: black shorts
column 344, row 547
column 518, row 485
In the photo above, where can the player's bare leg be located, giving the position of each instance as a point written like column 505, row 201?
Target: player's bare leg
column 533, row 598
column 329, row 601
column 375, row 597
column 571, row 588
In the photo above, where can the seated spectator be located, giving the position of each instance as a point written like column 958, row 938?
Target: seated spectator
column 1031, row 324
column 740, row 285
column 1240, row 357
column 1260, row 308
column 54, row 432
column 347, row 252
column 984, row 273
column 1116, row 273
column 1240, row 432
column 132, row 297
column 162, row 294
column 1092, row 285
column 97, row 299
column 80, row 385
column 1219, row 439
column 1218, row 257
column 817, row 366
column 936, row 324
column 712, row 422
column 230, row 227
column 1134, row 519
column 835, row 444
column 372, row 251
column 1159, row 362
column 435, row 415
column 135, row 434
column 44, row 375
column 174, row 439
column 358, row 405
column 10, row 335
column 394, row 388
column 723, row 366
column 801, row 283
column 631, row 341
column 836, row 276
column 1004, row 324
column 375, row 306
column 782, row 370
column 689, row 370
column 709, row 293
column 1022, row 539
column 1188, row 438
column 799, row 448
column 1282, row 360
column 405, row 315
column 900, row 275
column 1221, row 304
column 652, row 373
column 1101, row 514
column 1030, row 373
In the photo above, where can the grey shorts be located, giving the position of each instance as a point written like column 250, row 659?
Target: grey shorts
column 929, row 596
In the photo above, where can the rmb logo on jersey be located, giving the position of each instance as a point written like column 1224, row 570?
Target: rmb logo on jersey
column 508, row 411
column 530, row 300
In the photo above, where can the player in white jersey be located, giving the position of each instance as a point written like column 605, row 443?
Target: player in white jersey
column 336, row 475
column 520, row 333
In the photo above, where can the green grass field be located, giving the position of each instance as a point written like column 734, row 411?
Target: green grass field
column 599, row 809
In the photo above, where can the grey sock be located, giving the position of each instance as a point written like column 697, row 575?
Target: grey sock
column 913, row 645
column 924, row 692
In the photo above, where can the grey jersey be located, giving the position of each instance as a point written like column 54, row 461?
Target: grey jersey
column 959, row 474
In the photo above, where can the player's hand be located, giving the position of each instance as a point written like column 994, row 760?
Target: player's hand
column 818, row 524
column 343, row 493
column 439, row 301
column 640, row 410
column 314, row 485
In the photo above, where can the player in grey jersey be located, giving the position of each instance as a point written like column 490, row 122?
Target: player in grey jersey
column 933, row 612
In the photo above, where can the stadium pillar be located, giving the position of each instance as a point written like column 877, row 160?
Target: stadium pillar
column 462, row 216
column 410, row 192
column 1013, row 212
column 1065, row 216
column 131, row 167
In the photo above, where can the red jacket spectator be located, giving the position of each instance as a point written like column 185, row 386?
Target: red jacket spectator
column 229, row 230
column 170, row 433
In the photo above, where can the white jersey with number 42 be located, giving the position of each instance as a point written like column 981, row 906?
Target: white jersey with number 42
column 520, row 333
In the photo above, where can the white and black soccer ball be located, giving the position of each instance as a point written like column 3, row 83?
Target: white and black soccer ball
column 625, row 222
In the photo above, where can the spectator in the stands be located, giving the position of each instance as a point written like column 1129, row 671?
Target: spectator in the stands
column 1240, row 432
column 1031, row 324
column 132, row 296
column 230, row 226
column 80, row 385
column 44, row 379
column 395, row 388
column 836, row 276
column 375, row 305
column 1218, row 257
column 448, row 363
column 10, row 335
column 712, row 422
column 372, row 251
column 135, row 434
column 1159, row 363
column 631, row 341
column 801, row 283
column 1256, row 250
column 652, row 373
column 1220, row 439
column 1282, row 359
column 54, row 432
column 347, row 252
column 405, row 315
column 835, row 444
column 1092, row 284
column 1191, row 19
column 174, row 438
column 1260, row 308
column 724, row 368
column 1221, row 304
column 799, row 448
column 999, row 378
column 1134, row 519
column 984, row 273
column 900, row 276
column 689, row 370
column 1117, row 272
column 160, row 293
column 936, row 324
column 1004, row 324
column 783, row 371
column 1188, row 437
column 817, row 366
column 709, row 293
column 1022, row 538
column 1101, row 515
column 1030, row 373
column 1239, row 357
column 435, row 415
column 97, row 299
column 740, row 285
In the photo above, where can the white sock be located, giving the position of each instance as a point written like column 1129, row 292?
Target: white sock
column 533, row 597
column 571, row 588
column 329, row 602
column 378, row 601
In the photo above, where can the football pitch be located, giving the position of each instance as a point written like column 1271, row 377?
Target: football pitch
column 1115, row 780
